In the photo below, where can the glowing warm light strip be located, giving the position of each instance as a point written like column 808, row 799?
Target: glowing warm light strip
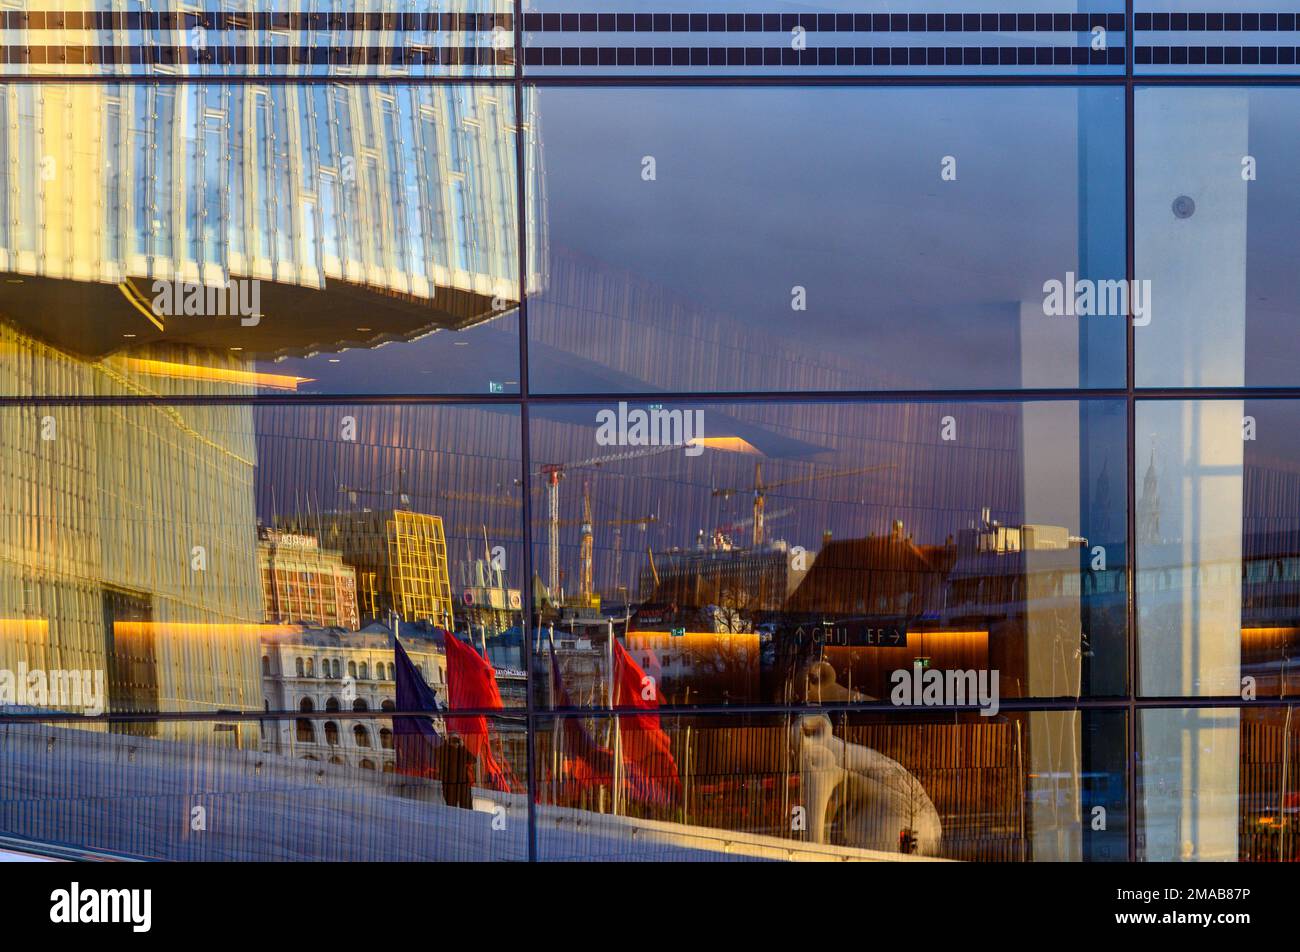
column 198, row 628
column 725, row 635
column 1267, row 630
column 163, row 368
column 729, row 444
column 654, row 636
column 24, row 628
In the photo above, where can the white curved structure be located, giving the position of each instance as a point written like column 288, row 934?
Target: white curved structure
column 878, row 797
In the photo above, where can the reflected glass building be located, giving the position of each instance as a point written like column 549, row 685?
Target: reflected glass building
column 229, row 236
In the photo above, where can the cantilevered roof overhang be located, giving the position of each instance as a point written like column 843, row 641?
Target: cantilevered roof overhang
column 93, row 319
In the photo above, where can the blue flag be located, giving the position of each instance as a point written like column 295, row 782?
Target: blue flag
column 416, row 744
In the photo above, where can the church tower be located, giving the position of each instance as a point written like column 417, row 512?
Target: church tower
column 1148, row 510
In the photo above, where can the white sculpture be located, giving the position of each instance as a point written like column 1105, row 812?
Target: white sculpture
column 880, row 800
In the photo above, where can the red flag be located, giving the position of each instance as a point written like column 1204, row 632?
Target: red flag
column 471, row 683
column 647, row 753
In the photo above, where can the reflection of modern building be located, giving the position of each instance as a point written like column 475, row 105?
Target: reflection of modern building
column 115, row 558
column 400, row 558
column 301, row 582
column 368, row 214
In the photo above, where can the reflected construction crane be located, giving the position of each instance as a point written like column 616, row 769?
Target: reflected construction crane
column 586, row 574
column 585, row 548
column 728, row 530
column 554, row 472
column 761, row 489
column 588, row 524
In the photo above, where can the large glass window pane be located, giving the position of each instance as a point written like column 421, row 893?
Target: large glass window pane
column 896, row 239
column 808, row 553
column 245, row 239
column 1219, row 784
column 1217, row 556
column 1215, row 210
column 1023, row 786
column 197, row 558
column 831, row 37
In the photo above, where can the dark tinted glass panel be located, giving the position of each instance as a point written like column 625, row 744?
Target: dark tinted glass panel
column 201, row 558
column 1218, row 548
column 818, row 552
column 1215, row 214
column 325, row 788
column 831, row 37
column 1215, row 37
column 240, row 239
column 1018, row 787
column 48, row 38
column 896, row 239
column 1218, row 785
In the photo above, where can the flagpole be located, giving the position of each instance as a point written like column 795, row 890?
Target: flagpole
column 618, row 734
column 686, row 759
column 786, row 767
column 556, row 760
column 609, row 726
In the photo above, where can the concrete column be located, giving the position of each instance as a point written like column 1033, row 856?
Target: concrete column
column 1189, row 623
column 1191, row 243
column 1053, row 626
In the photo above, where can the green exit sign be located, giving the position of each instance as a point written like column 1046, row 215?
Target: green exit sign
column 679, row 632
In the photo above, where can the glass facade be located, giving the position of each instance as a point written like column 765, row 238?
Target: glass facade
column 563, row 430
